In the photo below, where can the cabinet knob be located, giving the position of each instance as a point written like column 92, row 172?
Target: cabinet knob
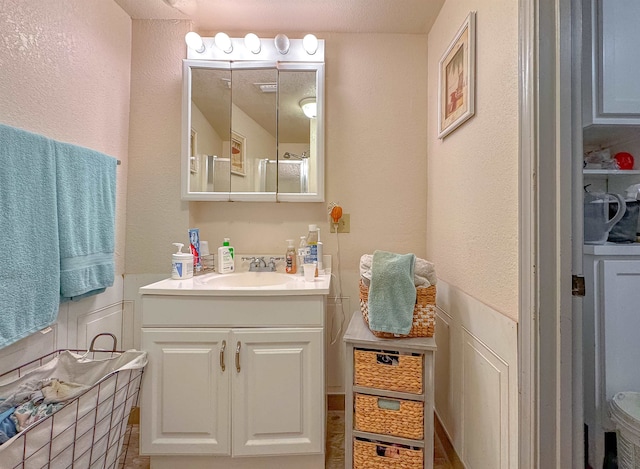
column 238, row 357
column 224, row 346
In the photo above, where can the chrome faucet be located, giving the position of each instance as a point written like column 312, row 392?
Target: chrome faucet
column 259, row 264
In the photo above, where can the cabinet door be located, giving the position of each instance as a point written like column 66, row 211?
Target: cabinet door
column 278, row 392
column 621, row 324
column 185, row 393
column 620, row 62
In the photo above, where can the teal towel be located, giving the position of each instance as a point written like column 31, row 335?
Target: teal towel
column 29, row 253
column 86, row 188
column 392, row 293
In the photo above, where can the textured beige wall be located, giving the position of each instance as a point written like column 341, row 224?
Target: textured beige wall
column 375, row 156
column 472, row 225
column 156, row 216
column 65, row 73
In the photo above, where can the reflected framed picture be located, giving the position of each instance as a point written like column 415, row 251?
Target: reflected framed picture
column 238, row 157
column 456, row 79
column 193, row 156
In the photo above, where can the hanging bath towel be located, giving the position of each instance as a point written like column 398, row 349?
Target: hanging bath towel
column 86, row 188
column 29, row 256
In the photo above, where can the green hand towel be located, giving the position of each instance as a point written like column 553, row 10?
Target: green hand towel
column 392, row 293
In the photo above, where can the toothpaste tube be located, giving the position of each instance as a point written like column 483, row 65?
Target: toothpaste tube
column 194, row 246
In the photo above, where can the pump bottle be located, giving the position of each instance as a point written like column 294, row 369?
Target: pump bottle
column 226, row 263
column 181, row 264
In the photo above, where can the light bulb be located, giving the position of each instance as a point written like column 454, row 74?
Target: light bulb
column 252, row 42
column 309, row 107
column 194, row 41
column 223, row 42
column 282, row 43
column 310, row 44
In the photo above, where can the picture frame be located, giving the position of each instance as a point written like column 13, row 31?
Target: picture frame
column 238, row 154
column 456, row 79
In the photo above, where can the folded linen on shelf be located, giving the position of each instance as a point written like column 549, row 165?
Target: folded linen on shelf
column 392, row 294
column 424, row 271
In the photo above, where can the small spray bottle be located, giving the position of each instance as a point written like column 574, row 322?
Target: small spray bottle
column 320, row 269
column 291, row 264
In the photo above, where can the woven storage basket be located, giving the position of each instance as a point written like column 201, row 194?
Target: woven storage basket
column 365, row 456
column 424, row 313
column 406, row 422
column 405, row 376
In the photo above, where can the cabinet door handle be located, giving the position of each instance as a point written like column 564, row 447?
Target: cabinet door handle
column 238, row 357
column 224, row 346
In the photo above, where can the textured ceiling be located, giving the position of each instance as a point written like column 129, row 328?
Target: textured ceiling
column 288, row 16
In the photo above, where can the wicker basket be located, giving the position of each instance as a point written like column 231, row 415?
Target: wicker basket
column 373, row 416
column 388, row 371
column 424, row 313
column 366, row 455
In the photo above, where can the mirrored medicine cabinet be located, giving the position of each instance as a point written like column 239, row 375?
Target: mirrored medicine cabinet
column 245, row 136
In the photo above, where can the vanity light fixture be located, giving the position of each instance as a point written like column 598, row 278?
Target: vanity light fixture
column 309, row 107
column 282, row 43
column 252, row 42
column 223, row 42
column 310, row 44
column 194, row 41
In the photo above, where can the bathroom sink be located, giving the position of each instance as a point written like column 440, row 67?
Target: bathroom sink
column 250, row 280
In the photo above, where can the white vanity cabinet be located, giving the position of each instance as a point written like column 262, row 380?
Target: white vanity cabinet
column 233, row 376
column 611, row 322
column 610, row 78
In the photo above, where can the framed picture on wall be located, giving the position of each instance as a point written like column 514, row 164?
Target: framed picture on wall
column 456, row 79
column 238, row 157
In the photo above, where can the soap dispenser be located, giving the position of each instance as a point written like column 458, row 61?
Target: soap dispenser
column 181, row 264
column 226, row 264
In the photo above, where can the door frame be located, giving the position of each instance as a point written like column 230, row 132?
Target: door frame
column 545, row 329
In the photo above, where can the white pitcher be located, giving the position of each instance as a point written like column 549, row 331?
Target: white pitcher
column 597, row 223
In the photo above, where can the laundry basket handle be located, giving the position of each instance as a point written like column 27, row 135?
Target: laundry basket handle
column 93, row 341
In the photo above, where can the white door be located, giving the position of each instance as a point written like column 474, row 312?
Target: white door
column 185, row 393
column 278, row 391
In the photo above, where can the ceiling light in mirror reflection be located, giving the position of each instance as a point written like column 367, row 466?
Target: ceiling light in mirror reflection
column 309, row 107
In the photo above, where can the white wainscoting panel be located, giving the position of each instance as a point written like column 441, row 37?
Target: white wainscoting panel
column 97, row 314
column 31, row 347
column 476, row 395
column 132, row 300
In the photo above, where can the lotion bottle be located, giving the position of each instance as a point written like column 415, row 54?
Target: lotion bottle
column 291, row 264
column 181, row 264
column 226, row 264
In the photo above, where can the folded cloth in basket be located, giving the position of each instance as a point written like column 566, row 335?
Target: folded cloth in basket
column 392, row 294
column 424, row 271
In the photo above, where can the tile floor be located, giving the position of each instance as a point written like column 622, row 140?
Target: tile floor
column 444, row 457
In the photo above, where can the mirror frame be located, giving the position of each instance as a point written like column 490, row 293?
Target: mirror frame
column 296, row 65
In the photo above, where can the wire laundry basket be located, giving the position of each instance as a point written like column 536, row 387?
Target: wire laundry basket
column 89, row 431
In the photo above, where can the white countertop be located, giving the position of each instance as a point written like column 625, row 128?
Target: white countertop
column 199, row 286
column 612, row 249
